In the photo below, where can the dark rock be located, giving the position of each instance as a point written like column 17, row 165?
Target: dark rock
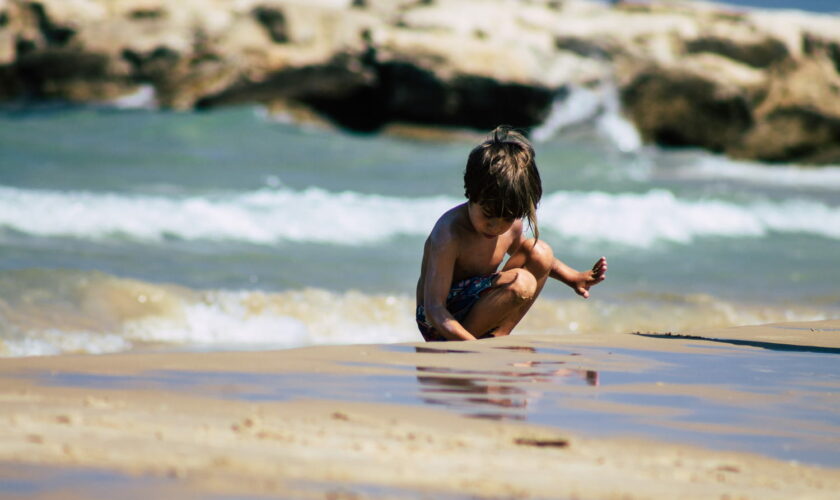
column 793, row 134
column 194, row 79
column 62, row 73
column 10, row 85
column 154, row 66
column 367, row 97
column 681, row 109
column 360, row 111
column 179, row 80
column 583, row 47
column 812, row 46
column 407, row 92
column 274, row 22
column 146, row 14
column 336, row 80
column 485, row 103
column 758, row 55
column 834, row 54
column 54, row 35
column 45, row 73
column 25, row 46
column 404, row 92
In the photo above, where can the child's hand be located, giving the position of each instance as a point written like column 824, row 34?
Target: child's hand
column 593, row 277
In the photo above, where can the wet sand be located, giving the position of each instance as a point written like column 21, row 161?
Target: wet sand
column 750, row 412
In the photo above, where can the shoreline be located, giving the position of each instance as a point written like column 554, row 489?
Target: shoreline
column 386, row 421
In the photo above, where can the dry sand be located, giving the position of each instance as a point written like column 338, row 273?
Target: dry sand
column 172, row 441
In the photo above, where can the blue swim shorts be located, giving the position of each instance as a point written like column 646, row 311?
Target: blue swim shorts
column 459, row 302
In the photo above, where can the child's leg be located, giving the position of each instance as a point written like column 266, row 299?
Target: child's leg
column 518, row 286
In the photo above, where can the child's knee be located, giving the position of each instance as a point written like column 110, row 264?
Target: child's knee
column 523, row 287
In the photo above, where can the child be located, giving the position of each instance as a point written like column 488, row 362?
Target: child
column 461, row 295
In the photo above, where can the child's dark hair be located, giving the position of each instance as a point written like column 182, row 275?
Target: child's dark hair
column 502, row 176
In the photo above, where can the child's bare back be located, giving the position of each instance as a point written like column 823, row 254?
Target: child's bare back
column 461, row 294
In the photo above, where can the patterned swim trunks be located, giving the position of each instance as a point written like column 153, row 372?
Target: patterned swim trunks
column 459, row 302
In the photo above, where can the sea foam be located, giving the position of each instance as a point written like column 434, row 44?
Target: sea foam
column 644, row 219
column 599, row 105
column 48, row 312
column 314, row 215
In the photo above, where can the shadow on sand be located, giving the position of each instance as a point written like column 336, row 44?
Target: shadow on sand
column 772, row 346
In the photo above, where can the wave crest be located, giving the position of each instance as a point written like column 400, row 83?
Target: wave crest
column 314, row 215
column 45, row 312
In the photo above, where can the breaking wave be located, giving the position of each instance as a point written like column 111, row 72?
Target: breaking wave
column 646, row 218
column 46, row 312
column 49, row 312
column 347, row 218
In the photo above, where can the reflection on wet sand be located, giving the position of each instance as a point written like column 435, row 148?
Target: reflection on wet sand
column 495, row 394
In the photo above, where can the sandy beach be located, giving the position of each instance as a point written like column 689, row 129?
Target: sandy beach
column 476, row 420
column 213, row 217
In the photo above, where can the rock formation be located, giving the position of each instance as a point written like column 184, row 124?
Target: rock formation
column 751, row 84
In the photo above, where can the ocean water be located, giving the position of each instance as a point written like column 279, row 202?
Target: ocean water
column 135, row 229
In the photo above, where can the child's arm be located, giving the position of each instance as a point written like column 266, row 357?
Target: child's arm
column 443, row 251
column 580, row 281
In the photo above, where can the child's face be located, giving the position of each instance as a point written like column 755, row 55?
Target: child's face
column 486, row 224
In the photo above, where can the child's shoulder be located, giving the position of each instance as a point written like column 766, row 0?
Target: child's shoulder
column 451, row 224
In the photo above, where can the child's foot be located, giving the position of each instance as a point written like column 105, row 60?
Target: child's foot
column 593, row 277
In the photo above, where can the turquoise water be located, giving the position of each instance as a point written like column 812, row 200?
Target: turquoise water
column 127, row 229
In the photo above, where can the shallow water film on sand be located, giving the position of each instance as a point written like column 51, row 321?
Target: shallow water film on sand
column 135, row 229
column 746, row 401
column 746, row 412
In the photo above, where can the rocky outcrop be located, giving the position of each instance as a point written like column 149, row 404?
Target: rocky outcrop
column 793, row 134
column 750, row 84
column 675, row 108
column 396, row 91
